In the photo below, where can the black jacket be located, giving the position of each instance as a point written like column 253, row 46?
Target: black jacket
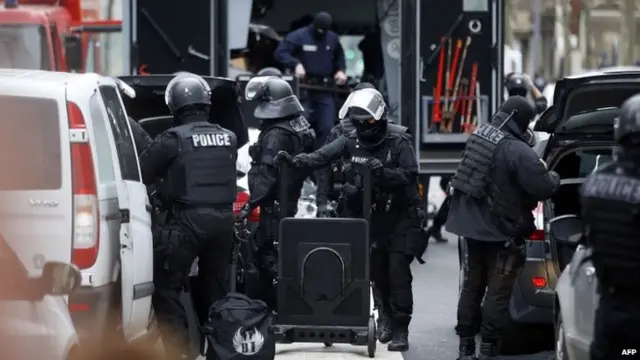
column 528, row 181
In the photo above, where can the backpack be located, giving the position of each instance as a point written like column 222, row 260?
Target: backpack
column 239, row 328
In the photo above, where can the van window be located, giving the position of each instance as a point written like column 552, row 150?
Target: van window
column 120, row 128
column 29, row 144
column 106, row 172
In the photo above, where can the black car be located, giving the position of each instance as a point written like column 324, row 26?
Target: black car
column 580, row 139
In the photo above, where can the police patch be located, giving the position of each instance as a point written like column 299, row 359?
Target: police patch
column 300, row 124
column 612, row 187
column 490, row 133
column 211, row 140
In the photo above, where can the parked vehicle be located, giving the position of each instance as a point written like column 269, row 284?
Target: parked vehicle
column 34, row 320
column 76, row 195
column 580, row 128
column 576, row 293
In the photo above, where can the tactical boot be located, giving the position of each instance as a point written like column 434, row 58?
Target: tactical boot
column 488, row 351
column 467, row 348
column 383, row 330
column 399, row 341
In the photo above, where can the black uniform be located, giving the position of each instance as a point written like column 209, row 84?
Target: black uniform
column 610, row 209
column 196, row 161
column 496, row 186
column 283, row 128
column 393, row 218
column 332, row 175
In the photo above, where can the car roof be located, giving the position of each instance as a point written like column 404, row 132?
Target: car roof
column 52, row 79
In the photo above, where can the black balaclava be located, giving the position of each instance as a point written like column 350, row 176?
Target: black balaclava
column 522, row 111
column 321, row 24
column 368, row 134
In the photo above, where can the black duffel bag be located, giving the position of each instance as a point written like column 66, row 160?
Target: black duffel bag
column 239, row 328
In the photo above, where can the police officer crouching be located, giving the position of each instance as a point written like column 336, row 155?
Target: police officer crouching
column 390, row 158
column 610, row 209
column 197, row 162
column 496, row 186
column 282, row 127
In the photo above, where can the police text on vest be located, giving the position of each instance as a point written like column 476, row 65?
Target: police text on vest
column 211, row 139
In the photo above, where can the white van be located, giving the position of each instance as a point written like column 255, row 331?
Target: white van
column 74, row 194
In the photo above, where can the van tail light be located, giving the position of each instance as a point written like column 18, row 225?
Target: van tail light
column 539, row 282
column 242, row 199
column 86, row 217
column 537, row 235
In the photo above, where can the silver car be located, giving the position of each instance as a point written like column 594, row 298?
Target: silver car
column 576, row 303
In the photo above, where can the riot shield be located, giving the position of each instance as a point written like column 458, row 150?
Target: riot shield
column 323, row 281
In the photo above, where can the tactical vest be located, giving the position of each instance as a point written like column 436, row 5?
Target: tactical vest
column 474, row 172
column 611, row 212
column 204, row 173
column 304, row 137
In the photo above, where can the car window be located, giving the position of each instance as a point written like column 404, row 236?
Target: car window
column 106, row 172
column 581, row 163
column 30, row 156
column 120, row 127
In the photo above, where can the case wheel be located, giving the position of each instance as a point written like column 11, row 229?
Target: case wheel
column 371, row 338
column 328, row 344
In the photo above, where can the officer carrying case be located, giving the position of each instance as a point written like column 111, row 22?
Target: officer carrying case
column 323, row 287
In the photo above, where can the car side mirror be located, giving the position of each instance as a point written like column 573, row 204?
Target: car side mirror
column 73, row 52
column 566, row 230
column 60, row 278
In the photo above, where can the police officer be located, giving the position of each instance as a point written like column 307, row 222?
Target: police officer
column 332, row 174
column 496, row 186
column 518, row 84
column 610, row 202
column 282, row 127
column 196, row 161
column 390, row 158
column 315, row 54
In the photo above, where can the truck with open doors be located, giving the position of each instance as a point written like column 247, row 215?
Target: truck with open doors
column 580, row 128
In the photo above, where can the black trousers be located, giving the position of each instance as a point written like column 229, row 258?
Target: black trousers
column 441, row 216
column 393, row 295
column 490, row 273
column 617, row 326
column 204, row 233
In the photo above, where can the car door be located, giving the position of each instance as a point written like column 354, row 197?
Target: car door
column 136, row 243
column 586, row 296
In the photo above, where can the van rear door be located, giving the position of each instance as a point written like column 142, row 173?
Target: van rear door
column 149, row 103
column 35, row 181
column 136, row 240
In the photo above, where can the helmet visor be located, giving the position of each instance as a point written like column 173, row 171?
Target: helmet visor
column 369, row 100
column 255, row 87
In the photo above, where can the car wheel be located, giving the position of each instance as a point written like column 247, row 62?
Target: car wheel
column 561, row 344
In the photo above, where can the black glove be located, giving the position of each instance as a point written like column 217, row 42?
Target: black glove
column 244, row 213
column 323, row 212
column 283, row 156
column 375, row 166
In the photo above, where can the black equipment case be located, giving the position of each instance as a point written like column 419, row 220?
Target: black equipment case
column 323, row 287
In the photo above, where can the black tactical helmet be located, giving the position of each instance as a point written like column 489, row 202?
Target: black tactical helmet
column 275, row 96
column 187, row 90
column 627, row 124
column 270, row 71
column 517, row 85
column 521, row 109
